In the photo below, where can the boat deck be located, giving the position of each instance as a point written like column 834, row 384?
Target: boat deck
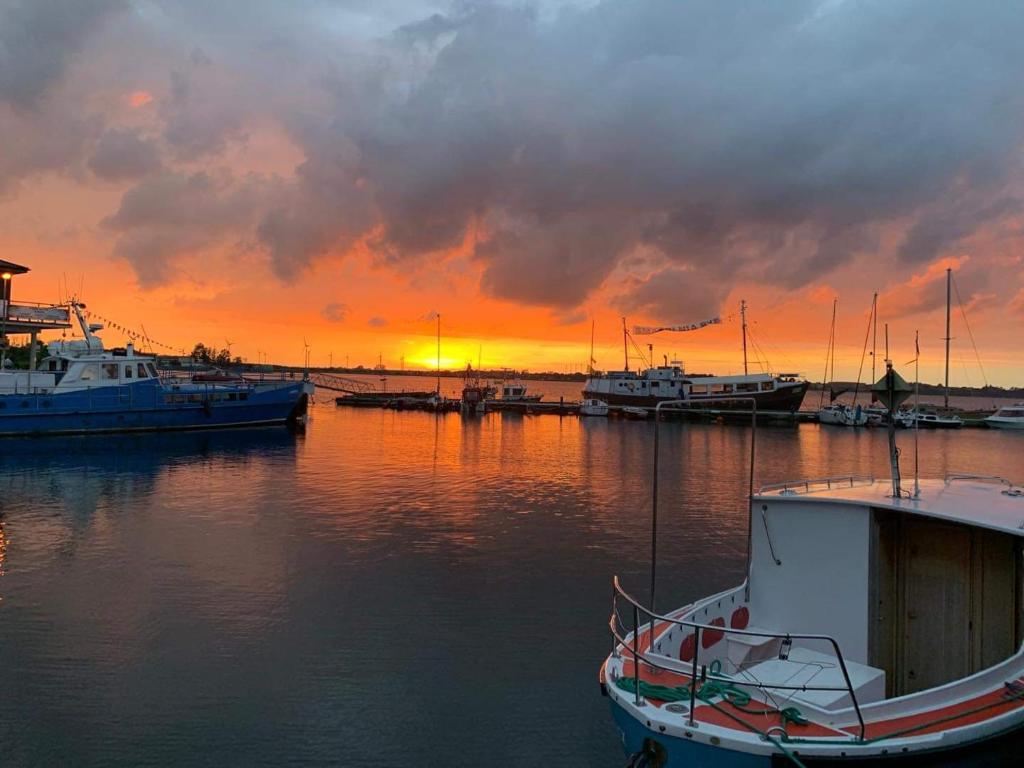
column 759, row 716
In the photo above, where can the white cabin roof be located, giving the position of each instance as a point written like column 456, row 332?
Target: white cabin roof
column 984, row 502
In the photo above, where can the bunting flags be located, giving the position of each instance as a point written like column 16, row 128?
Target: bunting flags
column 130, row 333
column 645, row 330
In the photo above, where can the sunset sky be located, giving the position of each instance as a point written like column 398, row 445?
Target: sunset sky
column 274, row 172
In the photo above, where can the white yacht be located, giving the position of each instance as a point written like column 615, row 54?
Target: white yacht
column 1009, row 417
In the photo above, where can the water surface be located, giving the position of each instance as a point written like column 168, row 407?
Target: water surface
column 387, row 589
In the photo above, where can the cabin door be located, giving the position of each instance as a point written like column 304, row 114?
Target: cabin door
column 936, row 607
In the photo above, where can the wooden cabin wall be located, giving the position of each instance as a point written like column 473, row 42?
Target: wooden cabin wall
column 944, row 600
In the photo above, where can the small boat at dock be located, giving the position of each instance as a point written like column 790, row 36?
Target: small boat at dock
column 593, row 407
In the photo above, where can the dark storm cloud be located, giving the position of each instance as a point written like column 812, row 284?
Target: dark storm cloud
column 767, row 142
column 124, row 154
column 38, row 37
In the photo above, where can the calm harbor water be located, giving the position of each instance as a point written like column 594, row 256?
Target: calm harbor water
column 386, row 589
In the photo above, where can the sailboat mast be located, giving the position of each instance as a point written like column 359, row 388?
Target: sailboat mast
column 625, row 346
column 743, row 318
column 949, row 279
column 874, row 334
column 590, row 362
column 828, row 357
column 439, row 353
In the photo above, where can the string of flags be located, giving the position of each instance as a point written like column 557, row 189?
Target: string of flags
column 131, row 333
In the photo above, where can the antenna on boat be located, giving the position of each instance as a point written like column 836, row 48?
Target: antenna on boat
column 743, row 322
column 949, row 281
column 917, row 419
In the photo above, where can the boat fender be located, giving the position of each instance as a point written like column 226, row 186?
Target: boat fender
column 650, row 755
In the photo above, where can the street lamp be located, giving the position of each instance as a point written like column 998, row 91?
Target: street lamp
column 6, row 295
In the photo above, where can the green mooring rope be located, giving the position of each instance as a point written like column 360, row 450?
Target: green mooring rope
column 737, row 697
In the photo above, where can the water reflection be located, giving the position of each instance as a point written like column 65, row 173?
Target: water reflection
column 260, row 598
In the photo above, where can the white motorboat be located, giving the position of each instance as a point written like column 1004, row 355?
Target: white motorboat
column 1010, row 417
column 931, row 420
column 593, row 407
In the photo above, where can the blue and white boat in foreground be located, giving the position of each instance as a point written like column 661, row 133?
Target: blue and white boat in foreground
column 82, row 388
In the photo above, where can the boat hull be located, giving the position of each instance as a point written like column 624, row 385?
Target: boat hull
column 142, row 408
column 997, row 751
column 786, row 397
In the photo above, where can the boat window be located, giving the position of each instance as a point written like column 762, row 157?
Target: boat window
column 152, row 370
column 128, row 371
column 88, row 372
column 766, row 386
column 108, row 371
column 142, row 371
column 747, row 387
column 195, row 397
column 698, row 389
column 232, row 396
column 243, row 395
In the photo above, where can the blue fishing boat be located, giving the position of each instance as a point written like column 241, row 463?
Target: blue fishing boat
column 82, row 388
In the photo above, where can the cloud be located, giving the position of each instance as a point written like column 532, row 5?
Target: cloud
column 377, row 322
column 334, row 312
column 171, row 215
column 124, row 154
column 38, row 37
column 769, row 143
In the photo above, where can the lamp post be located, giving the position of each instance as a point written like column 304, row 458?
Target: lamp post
column 5, row 294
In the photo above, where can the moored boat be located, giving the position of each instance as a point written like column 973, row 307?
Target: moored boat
column 840, row 414
column 1009, row 417
column 593, row 407
column 82, row 388
column 876, row 625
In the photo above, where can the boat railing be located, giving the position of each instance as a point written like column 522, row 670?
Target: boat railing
column 955, row 476
column 697, row 672
column 818, row 484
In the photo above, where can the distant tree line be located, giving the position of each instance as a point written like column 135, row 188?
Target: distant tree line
column 213, row 356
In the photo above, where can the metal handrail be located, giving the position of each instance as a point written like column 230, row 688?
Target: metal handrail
column 949, row 478
column 617, row 590
column 848, row 481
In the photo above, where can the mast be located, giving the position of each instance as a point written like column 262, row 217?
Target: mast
column 590, row 364
column 949, row 280
column 828, row 356
column 743, row 318
column 439, row 354
column 625, row 346
column 874, row 339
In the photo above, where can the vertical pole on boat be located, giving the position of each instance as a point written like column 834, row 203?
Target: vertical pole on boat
column 654, row 511
column 625, row 346
column 750, row 491
column 917, row 420
column 874, row 339
column 890, row 388
column 439, row 354
column 743, row 321
column 590, row 364
column 949, row 279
